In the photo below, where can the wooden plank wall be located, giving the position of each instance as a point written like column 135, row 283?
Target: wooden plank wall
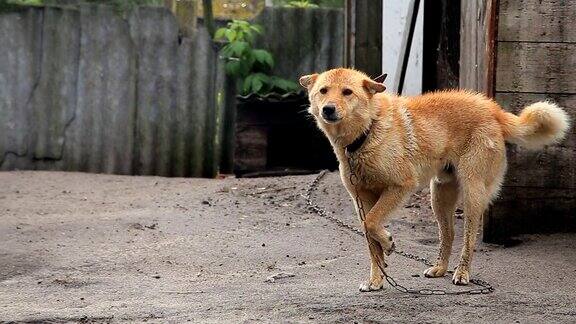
column 87, row 89
column 535, row 60
column 364, row 36
column 476, row 50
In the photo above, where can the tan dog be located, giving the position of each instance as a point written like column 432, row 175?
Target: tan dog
column 452, row 140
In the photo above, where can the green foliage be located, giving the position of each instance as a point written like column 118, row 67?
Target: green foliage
column 12, row 5
column 26, row 2
column 301, row 4
column 309, row 3
column 331, row 3
column 251, row 66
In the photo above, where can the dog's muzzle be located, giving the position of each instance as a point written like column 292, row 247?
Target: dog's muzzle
column 330, row 114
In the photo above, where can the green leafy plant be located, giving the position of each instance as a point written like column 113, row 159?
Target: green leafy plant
column 301, row 4
column 251, row 66
column 26, row 2
column 14, row 5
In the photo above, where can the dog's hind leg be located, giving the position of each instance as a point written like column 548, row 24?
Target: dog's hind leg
column 480, row 174
column 475, row 198
column 444, row 196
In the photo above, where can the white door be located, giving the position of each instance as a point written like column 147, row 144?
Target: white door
column 393, row 25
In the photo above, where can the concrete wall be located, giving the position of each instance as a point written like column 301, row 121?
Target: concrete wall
column 89, row 90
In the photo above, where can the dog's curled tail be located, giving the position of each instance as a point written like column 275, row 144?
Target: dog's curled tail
column 538, row 124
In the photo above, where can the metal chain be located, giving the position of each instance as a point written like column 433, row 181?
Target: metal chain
column 485, row 287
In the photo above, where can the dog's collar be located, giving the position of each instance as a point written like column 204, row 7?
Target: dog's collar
column 358, row 142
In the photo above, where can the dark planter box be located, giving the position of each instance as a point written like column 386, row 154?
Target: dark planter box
column 275, row 135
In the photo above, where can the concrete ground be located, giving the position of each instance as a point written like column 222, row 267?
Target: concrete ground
column 98, row 248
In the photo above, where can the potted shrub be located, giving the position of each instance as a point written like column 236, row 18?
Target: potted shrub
column 273, row 134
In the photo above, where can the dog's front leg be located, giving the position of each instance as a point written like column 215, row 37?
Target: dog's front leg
column 379, row 239
column 376, row 281
column 388, row 201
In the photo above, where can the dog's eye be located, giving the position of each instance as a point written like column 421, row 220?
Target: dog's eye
column 323, row 90
column 346, row 92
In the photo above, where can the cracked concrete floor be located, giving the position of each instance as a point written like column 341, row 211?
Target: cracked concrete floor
column 80, row 247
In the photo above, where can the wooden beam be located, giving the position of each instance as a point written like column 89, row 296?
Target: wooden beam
column 555, row 205
column 441, row 56
column 537, row 21
column 364, row 36
column 491, row 20
column 478, row 33
column 478, row 25
column 536, row 67
column 208, row 17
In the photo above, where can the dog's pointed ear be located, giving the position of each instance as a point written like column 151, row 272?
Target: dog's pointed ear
column 307, row 81
column 381, row 78
column 373, row 87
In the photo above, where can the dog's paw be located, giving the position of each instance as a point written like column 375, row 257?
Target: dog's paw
column 461, row 277
column 390, row 247
column 435, row 271
column 372, row 285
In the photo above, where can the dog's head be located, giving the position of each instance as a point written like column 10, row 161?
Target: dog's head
column 341, row 96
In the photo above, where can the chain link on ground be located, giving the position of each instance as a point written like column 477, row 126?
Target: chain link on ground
column 485, row 287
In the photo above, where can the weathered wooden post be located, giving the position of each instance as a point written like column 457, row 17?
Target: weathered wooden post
column 363, row 36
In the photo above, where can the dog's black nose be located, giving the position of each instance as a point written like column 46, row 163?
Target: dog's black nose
column 329, row 112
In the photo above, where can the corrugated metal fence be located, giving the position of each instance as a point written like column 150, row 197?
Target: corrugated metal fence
column 88, row 90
